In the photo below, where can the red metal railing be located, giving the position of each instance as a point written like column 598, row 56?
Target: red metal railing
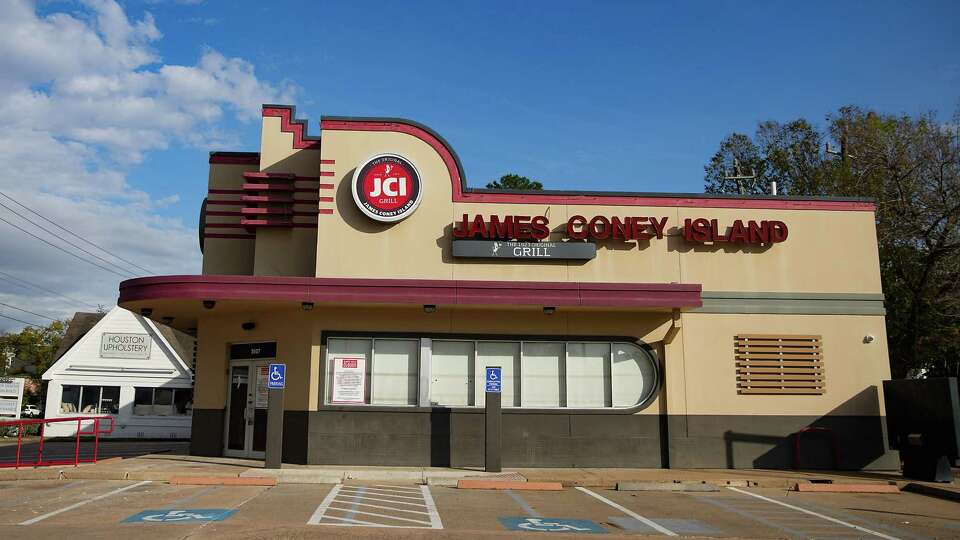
column 94, row 423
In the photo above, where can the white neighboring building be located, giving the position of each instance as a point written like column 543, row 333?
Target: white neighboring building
column 125, row 366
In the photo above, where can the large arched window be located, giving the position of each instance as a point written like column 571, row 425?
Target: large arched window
column 449, row 372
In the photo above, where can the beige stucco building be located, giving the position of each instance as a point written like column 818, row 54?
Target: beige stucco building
column 633, row 329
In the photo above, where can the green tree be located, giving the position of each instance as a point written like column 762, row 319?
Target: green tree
column 788, row 154
column 515, row 182
column 31, row 351
column 910, row 167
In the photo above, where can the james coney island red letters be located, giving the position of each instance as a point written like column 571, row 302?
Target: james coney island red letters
column 640, row 228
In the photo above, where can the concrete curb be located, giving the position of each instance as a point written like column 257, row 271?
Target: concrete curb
column 933, row 491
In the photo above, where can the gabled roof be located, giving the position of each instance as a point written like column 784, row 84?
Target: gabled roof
column 81, row 343
column 80, row 324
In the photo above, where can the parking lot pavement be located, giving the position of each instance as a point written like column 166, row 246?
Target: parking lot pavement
column 82, row 509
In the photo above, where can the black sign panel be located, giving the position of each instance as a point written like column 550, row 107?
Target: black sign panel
column 253, row 350
column 498, row 249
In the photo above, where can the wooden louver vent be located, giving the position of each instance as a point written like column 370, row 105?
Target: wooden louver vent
column 779, row 364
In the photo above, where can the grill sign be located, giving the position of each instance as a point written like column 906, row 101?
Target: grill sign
column 125, row 346
column 387, row 188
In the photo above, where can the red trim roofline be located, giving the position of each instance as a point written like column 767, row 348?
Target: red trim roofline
column 462, row 193
column 289, row 124
column 412, row 291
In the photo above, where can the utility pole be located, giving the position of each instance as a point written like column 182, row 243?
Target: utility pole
column 739, row 177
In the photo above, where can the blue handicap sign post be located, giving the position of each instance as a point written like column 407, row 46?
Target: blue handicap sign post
column 276, row 376
column 494, row 379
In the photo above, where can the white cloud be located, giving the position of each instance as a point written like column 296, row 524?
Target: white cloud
column 83, row 97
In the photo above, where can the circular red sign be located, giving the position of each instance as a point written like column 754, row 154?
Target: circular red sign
column 387, row 187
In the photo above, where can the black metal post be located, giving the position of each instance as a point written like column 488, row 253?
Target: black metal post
column 494, row 432
column 274, row 450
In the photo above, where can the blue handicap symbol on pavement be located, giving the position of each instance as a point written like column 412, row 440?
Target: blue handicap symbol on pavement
column 277, row 375
column 493, row 379
column 543, row 524
column 180, row 516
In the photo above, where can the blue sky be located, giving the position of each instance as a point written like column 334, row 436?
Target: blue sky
column 581, row 95
column 108, row 109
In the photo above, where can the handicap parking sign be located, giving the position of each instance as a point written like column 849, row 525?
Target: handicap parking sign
column 277, row 375
column 494, row 380
column 550, row 525
column 180, row 516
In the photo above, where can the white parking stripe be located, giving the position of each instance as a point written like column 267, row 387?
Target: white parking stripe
column 355, row 503
column 431, row 508
column 378, row 492
column 409, row 489
column 355, row 511
column 631, row 513
column 318, row 513
column 812, row 513
column 344, row 495
column 355, row 522
column 81, row 503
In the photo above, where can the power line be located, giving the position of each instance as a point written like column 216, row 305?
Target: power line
column 19, row 321
column 69, row 243
column 28, row 311
column 131, row 263
column 22, row 283
column 72, row 254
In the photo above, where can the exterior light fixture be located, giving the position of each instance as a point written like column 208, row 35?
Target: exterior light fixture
column 167, row 320
column 146, row 312
column 549, row 310
column 430, row 308
column 306, row 306
column 209, row 304
column 248, row 325
column 868, row 338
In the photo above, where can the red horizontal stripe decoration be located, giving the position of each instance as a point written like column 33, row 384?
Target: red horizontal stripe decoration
column 326, row 173
column 216, row 202
column 279, row 176
column 268, row 187
column 223, row 226
column 412, row 291
column 325, row 186
column 230, row 236
column 327, row 162
column 232, row 158
column 325, row 211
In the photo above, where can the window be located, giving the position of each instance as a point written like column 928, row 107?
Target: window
column 452, row 381
column 778, row 364
column 90, row 399
column 162, row 401
column 391, row 368
column 535, row 374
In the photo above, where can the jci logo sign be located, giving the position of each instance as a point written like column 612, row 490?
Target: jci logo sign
column 387, row 187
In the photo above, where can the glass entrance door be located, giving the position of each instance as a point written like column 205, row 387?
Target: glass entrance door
column 246, row 430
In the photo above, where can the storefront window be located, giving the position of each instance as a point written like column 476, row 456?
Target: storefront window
column 162, row 401
column 391, row 369
column 452, row 374
column 535, row 374
column 90, row 399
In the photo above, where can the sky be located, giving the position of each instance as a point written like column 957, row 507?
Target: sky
column 108, row 110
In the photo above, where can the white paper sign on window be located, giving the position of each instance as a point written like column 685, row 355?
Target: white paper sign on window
column 349, row 379
column 262, row 391
column 125, row 345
